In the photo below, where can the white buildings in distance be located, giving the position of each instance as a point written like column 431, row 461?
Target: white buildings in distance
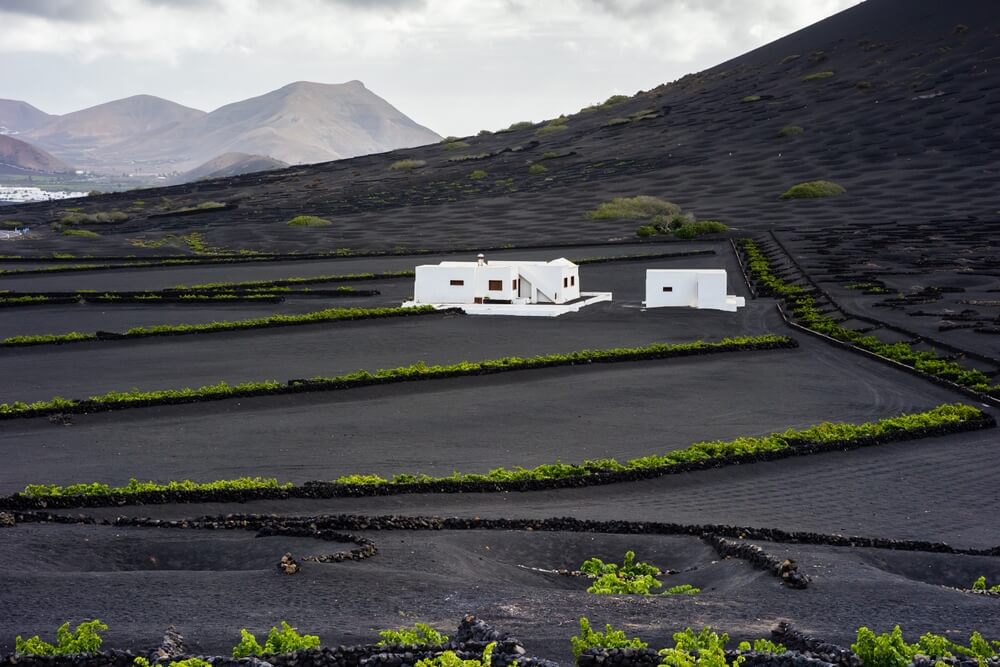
column 549, row 289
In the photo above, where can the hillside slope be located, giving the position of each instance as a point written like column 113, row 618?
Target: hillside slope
column 903, row 121
column 231, row 164
column 19, row 157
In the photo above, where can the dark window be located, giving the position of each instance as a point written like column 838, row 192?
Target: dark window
column 668, row 289
column 496, row 285
column 457, row 283
column 565, row 282
column 515, row 285
column 572, row 280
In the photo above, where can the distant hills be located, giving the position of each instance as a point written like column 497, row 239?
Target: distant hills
column 18, row 157
column 231, row 164
column 300, row 123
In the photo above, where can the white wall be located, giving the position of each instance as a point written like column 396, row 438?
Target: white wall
column 682, row 284
column 432, row 283
column 694, row 288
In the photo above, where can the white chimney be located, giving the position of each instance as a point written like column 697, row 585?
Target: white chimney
column 481, row 259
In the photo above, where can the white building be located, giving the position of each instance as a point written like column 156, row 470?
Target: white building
column 694, row 288
column 481, row 281
column 503, row 287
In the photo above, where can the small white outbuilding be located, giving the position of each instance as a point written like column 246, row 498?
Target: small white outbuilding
column 693, row 288
column 557, row 281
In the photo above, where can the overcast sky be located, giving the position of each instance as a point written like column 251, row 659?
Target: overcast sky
column 456, row 66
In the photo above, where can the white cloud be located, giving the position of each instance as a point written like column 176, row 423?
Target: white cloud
column 455, row 65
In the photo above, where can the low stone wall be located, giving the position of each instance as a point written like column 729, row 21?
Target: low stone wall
column 470, row 642
column 785, row 569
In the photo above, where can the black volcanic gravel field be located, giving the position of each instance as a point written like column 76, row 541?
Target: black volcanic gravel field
column 909, row 253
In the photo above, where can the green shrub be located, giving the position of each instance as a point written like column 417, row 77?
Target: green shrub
column 478, row 174
column 406, row 165
column 813, row 190
column 790, row 131
column 554, row 125
column 85, row 638
column 454, row 145
column 520, row 125
column 704, row 649
column 84, row 233
column 451, row 659
column 683, row 589
column 633, row 208
column 690, row 230
column 751, row 98
column 309, row 221
column 610, row 638
column 816, row 76
column 981, row 585
column 863, row 85
column 420, row 634
column 285, row 640
column 629, row 578
column 536, row 169
column 788, row 59
column 141, row 661
column 548, row 155
column 646, row 231
column 78, row 218
column 617, row 121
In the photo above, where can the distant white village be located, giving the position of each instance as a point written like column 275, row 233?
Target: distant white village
column 19, row 194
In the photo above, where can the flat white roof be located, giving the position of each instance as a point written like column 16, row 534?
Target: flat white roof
column 685, row 270
column 562, row 261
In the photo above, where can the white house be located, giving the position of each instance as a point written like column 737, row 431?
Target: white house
column 481, row 281
column 694, row 288
column 503, row 287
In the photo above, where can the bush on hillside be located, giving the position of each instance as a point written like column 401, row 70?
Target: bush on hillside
column 309, row 221
column 813, row 190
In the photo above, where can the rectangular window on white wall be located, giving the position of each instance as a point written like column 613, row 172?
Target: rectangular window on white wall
column 457, row 283
column 668, row 289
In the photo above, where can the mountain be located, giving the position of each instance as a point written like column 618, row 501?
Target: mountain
column 300, row 123
column 83, row 135
column 17, row 117
column 19, row 157
column 231, row 164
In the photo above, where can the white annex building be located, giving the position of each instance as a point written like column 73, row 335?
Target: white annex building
column 694, row 288
column 503, row 287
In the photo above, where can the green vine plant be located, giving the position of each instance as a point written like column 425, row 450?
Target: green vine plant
column 980, row 585
column 420, row 634
column 890, row 649
column 85, row 638
column 141, row 661
column 703, row 649
column 610, row 638
column 629, row 578
column 762, row 646
column 285, row 640
column 451, row 659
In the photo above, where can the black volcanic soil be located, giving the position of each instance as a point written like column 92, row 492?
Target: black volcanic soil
column 905, row 123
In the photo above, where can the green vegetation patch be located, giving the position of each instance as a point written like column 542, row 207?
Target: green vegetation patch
column 633, row 208
column 817, row 76
column 554, row 125
column 890, row 649
column 420, row 634
column 751, row 98
column 478, row 174
column 82, row 233
column 610, row 638
column 981, row 585
column 803, row 306
column 278, row 642
column 536, row 169
column 705, row 452
column 325, row 315
column 451, row 659
column 711, row 452
column 115, row 400
column 790, row 131
column 813, row 190
column 454, row 144
column 78, row 218
column 407, row 165
column 86, row 638
column 309, row 221
column 691, row 230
